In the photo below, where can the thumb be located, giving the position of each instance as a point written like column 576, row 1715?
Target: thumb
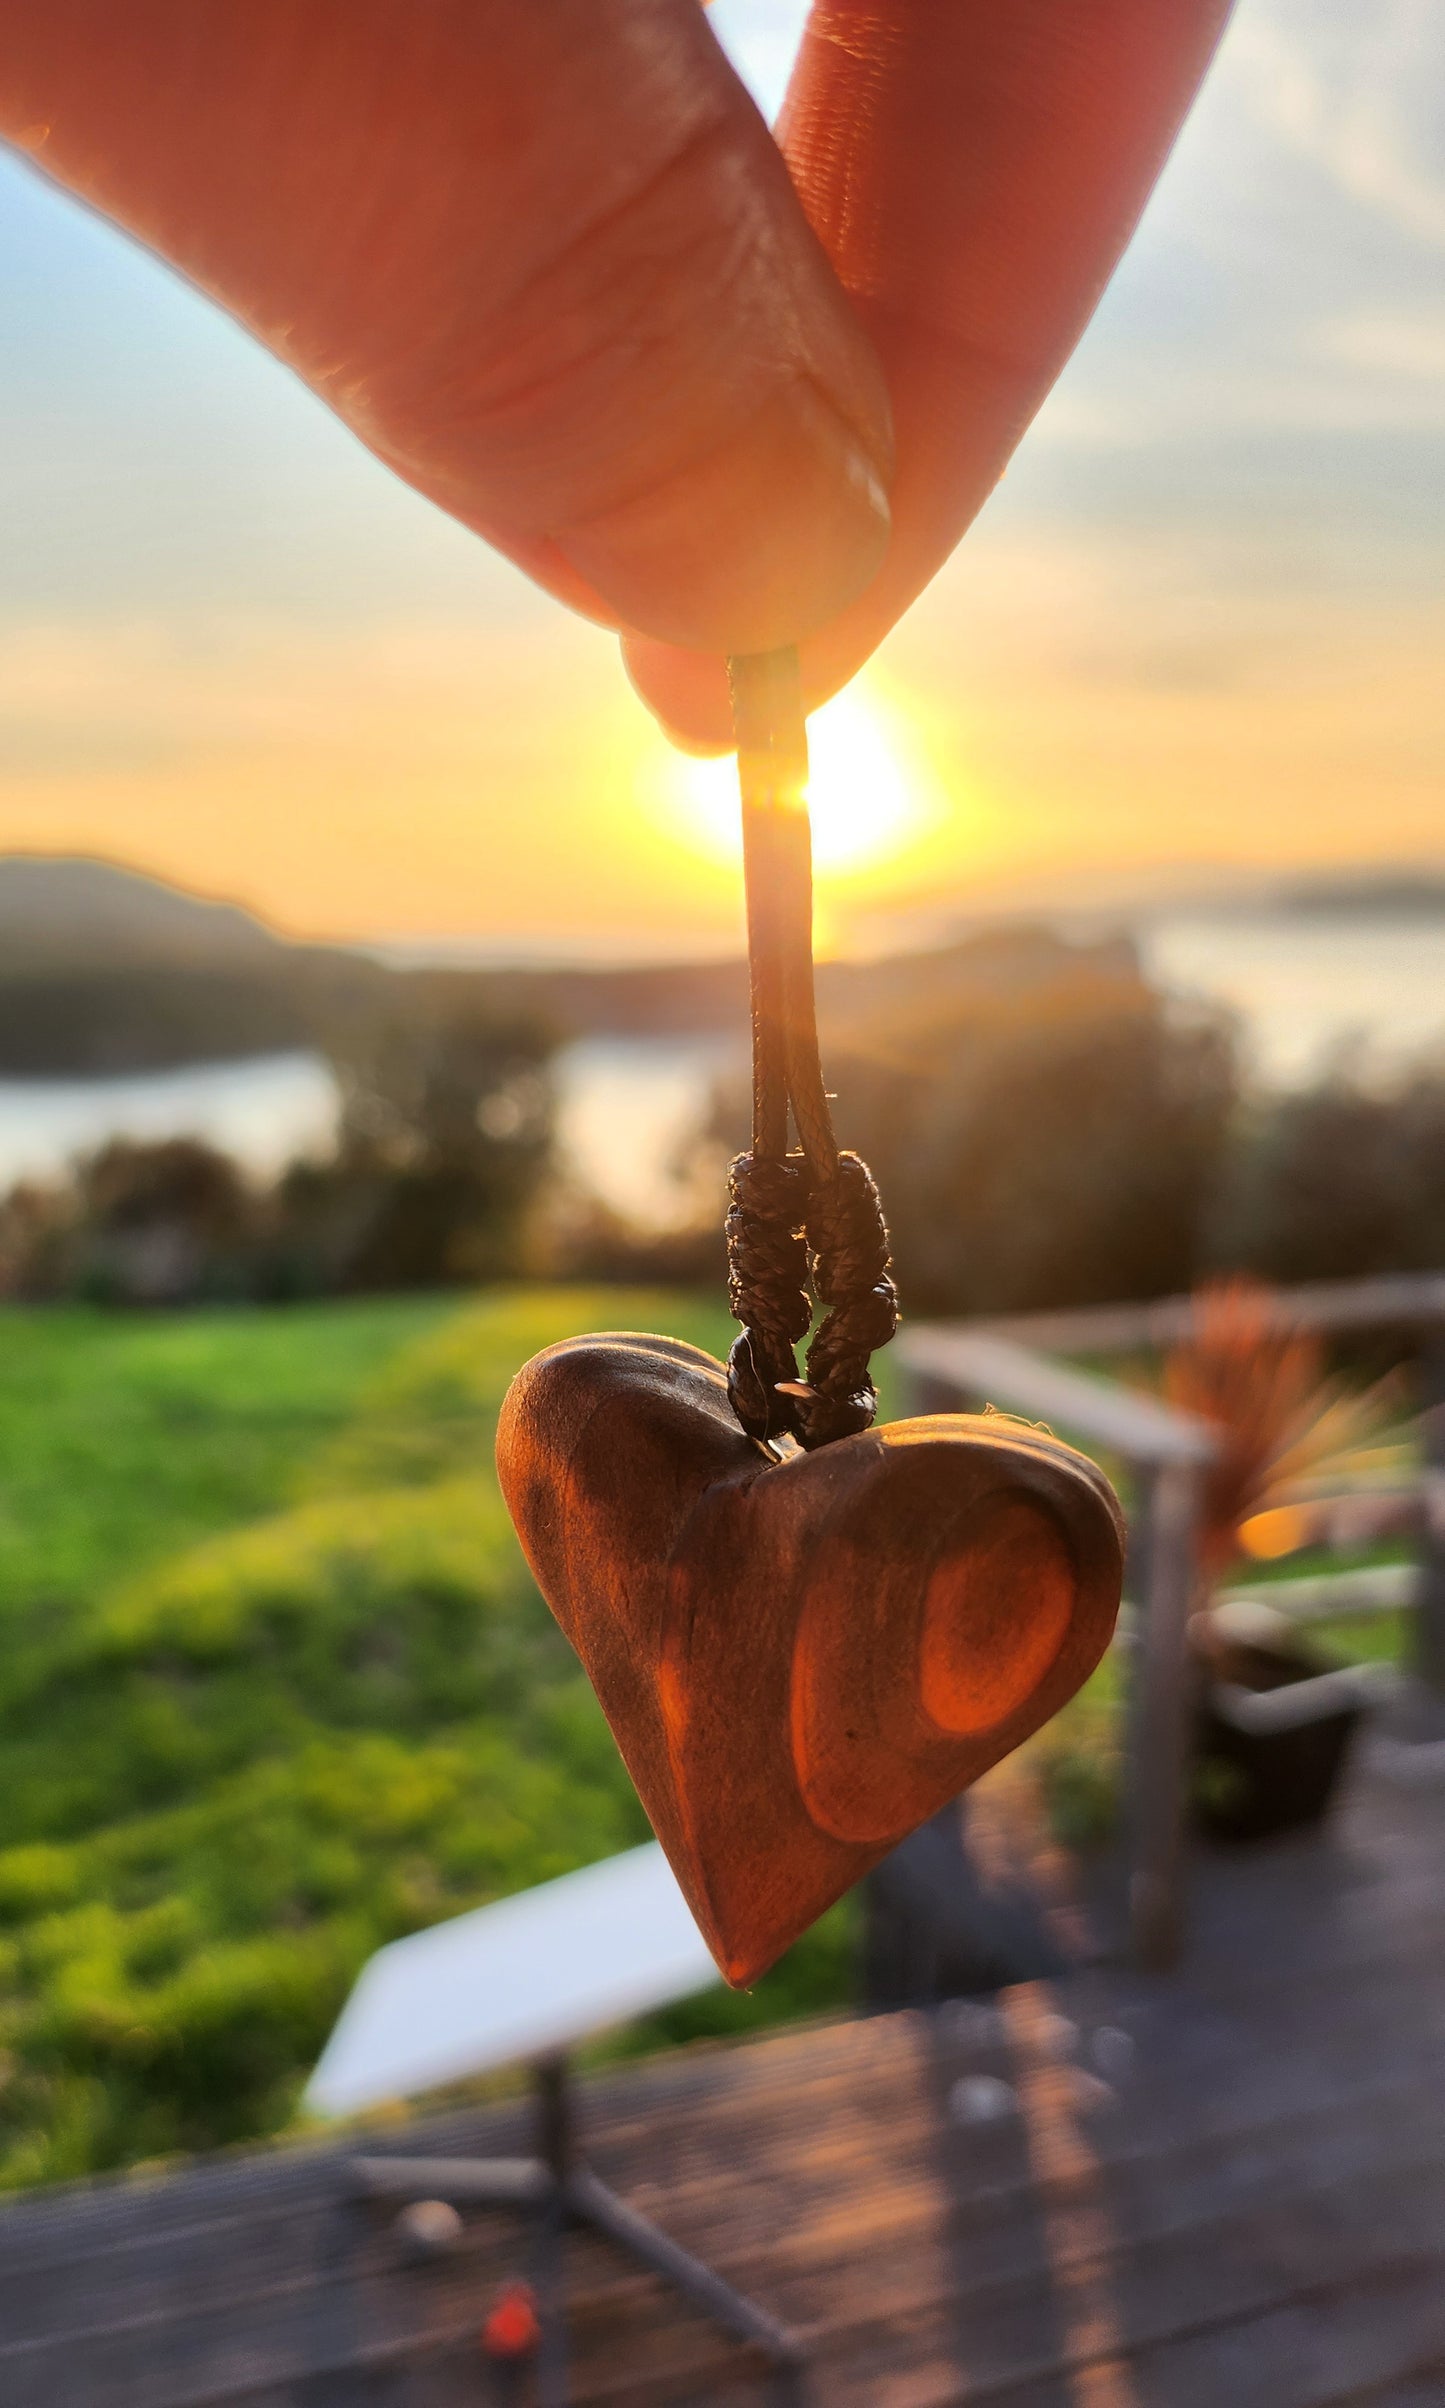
column 545, row 260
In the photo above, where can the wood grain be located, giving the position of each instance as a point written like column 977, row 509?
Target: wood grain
column 800, row 1660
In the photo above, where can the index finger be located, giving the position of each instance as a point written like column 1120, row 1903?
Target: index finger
column 974, row 169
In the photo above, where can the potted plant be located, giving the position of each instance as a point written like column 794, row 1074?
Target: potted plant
column 1275, row 1716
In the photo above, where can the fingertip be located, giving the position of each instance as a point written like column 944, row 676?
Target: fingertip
column 686, row 692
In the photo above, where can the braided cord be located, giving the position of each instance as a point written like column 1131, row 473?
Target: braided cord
column 814, row 1216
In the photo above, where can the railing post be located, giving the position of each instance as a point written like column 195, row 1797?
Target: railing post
column 1160, row 1713
column 1428, row 1648
column 1138, row 1558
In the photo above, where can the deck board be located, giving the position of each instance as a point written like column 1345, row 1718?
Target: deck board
column 1249, row 2212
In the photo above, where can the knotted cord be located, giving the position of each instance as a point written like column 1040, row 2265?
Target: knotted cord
column 812, row 1217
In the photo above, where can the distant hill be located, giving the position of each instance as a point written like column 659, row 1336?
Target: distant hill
column 105, row 971
column 1381, row 895
column 60, row 911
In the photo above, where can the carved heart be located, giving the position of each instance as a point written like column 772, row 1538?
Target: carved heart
column 801, row 1660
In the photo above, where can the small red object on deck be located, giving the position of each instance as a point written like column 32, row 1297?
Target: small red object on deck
column 512, row 2329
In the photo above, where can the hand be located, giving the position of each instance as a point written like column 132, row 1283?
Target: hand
column 546, row 261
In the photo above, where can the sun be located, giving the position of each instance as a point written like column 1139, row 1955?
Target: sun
column 864, row 805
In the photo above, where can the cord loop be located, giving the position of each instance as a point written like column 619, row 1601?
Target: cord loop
column 814, row 1216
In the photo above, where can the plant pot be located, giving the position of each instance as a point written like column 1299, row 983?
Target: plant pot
column 1272, row 1728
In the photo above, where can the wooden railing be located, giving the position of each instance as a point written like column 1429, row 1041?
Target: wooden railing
column 1407, row 1300
column 1013, row 1365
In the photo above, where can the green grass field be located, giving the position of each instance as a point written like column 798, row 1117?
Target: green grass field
column 275, row 1687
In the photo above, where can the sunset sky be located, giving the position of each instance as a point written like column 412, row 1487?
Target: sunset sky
column 1201, row 624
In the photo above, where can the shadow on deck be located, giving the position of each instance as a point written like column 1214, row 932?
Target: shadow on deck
column 1223, row 2188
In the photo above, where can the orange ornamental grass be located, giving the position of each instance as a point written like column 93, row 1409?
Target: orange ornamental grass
column 1261, row 1380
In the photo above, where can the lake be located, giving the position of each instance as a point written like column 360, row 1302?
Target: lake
column 265, row 1110
column 1303, row 987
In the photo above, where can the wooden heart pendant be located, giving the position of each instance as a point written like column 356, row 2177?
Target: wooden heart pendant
column 800, row 1660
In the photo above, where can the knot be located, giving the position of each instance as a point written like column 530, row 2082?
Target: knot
column 782, row 1229
column 848, row 1249
column 767, row 1269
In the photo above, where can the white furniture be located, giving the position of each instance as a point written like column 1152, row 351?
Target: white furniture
column 525, row 1980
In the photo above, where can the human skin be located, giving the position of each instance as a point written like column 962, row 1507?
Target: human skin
column 547, row 261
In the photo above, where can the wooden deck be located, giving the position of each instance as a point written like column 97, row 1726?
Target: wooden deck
column 1224, row 2188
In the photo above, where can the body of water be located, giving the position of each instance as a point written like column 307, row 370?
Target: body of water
column 1305, row 986
column 265, row 1110
column 1301, row 987
column 626, row 1110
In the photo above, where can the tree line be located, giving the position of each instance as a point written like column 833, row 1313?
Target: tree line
column 1047, row 1129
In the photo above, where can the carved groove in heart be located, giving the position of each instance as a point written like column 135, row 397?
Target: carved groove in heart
column 975, row 1655
column 803, row 1660
column 953, row 1659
